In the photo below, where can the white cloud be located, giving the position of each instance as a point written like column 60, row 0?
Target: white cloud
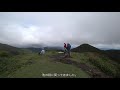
column 54, row 28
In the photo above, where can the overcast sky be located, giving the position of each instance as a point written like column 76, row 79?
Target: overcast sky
column 100, row 29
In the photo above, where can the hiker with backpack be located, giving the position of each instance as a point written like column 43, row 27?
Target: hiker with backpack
column 42, row 52
column 65, row 48
column 68, row 49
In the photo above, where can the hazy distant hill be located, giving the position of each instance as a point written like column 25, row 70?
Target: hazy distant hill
column 46, row 48
column 34, row 49
column 54, row 48
column 112, row 54
column 9, row 49
column 86, row 48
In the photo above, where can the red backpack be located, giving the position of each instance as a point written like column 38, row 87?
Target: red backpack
column 65, row 45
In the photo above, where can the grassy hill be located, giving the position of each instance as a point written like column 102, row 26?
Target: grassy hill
column 89, row 63
column 8, row 63
column 114, row 55
column 104, row 64
column 7, row 50
column 86, row 48
column 35, row 66
column 6, row 47
column 32, row 65
column 28, row 64
column 111, row 54
column 104, row 60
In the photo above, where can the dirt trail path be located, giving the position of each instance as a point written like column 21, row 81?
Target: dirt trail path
column 93, row 72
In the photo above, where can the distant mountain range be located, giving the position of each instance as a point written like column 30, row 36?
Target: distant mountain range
column 45, row 48
column 34, row 49
column 10, row 49
column 112, row 54
column 86, row 48
column 53, row 48
column 6, row 47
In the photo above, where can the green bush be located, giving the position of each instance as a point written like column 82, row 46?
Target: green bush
column 4, row 54
column 14, row 52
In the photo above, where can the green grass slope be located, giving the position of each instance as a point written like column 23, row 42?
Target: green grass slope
column 104, row 64
column 32, row 65
column 27, row 64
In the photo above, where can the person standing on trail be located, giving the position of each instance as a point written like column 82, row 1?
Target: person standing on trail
column 65, row 48
column 68, row 49
column 42, row 51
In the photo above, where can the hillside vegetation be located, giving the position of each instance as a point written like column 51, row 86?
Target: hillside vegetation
column 85, row 62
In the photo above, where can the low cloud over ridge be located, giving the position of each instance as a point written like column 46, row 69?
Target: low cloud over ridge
column 21, row 29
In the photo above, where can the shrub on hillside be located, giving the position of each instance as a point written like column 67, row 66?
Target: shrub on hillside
column 15, row 52
column 4, row 54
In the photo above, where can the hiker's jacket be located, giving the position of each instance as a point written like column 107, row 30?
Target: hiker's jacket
column 68, row 46
column 65, row 46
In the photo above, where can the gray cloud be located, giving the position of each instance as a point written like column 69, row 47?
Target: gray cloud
column 100, row 29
